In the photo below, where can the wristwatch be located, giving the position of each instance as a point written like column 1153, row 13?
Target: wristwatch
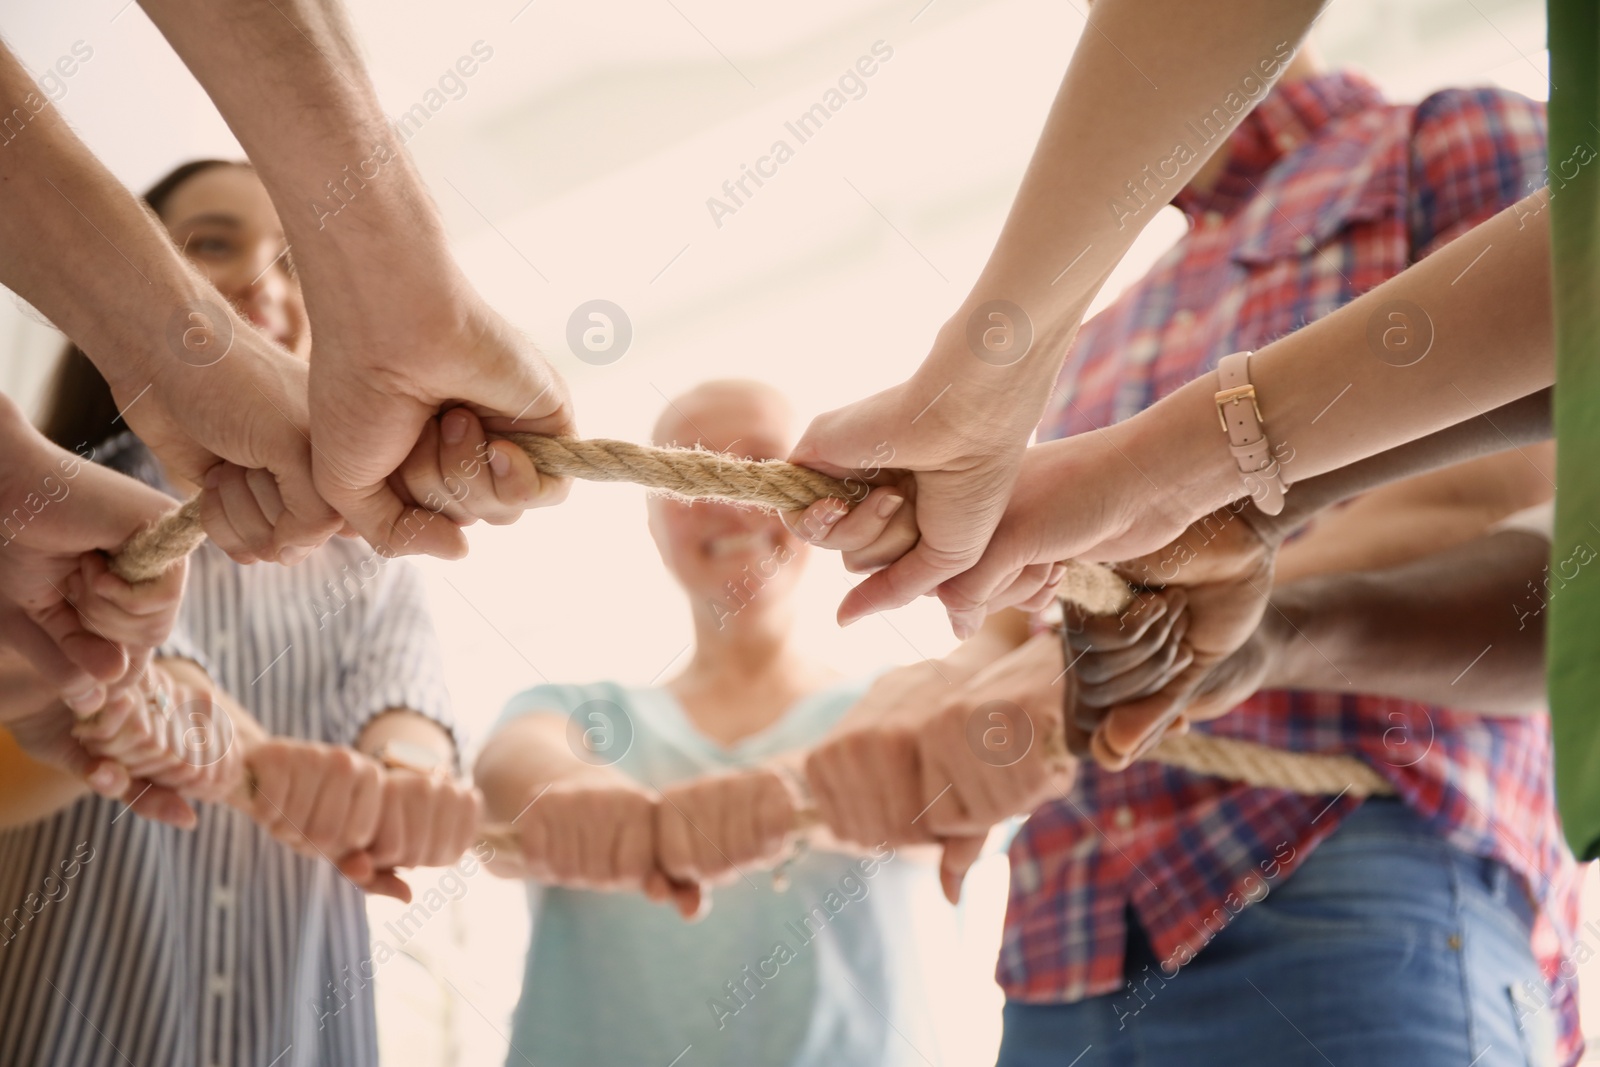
column 397, row 755
column 1247, row 438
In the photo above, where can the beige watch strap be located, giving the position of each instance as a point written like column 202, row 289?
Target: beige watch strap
column 1247, row 438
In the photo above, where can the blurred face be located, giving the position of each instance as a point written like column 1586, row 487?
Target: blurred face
column 709, row 545
column 225, row 224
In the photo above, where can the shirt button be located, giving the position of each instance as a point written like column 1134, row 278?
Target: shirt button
column 1123, row 817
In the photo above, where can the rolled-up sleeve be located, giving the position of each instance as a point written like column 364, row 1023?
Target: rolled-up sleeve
column 390, row 656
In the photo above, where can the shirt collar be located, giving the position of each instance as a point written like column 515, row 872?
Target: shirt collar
column 1286, row 118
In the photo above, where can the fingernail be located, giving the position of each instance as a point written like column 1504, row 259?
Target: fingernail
column 85, row 702
column 499, row 462
column 454, row 428
column 293, row 554
column 103, row 779
column 889, row 505
column 962, row 626
column 835, row 511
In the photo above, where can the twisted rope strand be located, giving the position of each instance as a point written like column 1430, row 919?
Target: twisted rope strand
column 779, row 486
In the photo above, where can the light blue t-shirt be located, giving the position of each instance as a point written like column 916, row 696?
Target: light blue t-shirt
column 829, row 973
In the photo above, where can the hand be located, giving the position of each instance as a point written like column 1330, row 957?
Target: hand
column 423, row 821
column 48, row 736
column 1217, row 575
column 235, row 423
column 169, row 729
column 866, row 776
column 963, row 450
column 78, row 625
column 711, row 829
column 1074, row 498
column 597, row 833
column 880, row 780
column 379, row 379
column 455, row 470
column 1118, row 659
column 320, row 800
column 994, row 748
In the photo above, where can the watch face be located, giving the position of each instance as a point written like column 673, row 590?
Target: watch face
column 408, row 756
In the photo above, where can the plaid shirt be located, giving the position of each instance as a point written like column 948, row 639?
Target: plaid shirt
column 1328, row 191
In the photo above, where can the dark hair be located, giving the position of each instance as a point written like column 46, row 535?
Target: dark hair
column 79, row 408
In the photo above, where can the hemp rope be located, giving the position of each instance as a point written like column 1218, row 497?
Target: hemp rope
column 779, row 486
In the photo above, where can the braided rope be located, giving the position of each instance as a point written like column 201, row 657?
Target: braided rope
column 774, row 484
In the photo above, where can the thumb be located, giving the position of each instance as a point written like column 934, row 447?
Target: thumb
column 76, row 669
column 960, row 853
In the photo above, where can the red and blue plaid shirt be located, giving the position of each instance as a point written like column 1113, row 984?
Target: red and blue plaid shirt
column 1328, row 191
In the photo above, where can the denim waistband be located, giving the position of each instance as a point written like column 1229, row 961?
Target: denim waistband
column 1384, row 819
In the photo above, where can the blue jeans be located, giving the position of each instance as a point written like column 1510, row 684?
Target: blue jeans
column 1387, row 948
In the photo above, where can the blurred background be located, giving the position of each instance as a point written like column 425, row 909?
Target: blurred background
column 575, row 165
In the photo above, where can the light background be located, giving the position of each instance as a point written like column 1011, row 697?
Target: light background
column 577, row 165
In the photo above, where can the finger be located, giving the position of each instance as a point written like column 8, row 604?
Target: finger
column 426, row 475
column 149, row 801
column 516, row 486
column 365, row 810
column 105, row 661
column 815, row 523
column 830, row 790
column 404, row 822
column 1171, row 659
column 357, row 867
column 959, row 854
column 1100, row 665
column 264, row 488
column 324, row 823
column 1032, row 584
column 774, row 822
column 389, row 884
column 498, row 478
column 78, row 687
column 469, row 816
column 1046, row 594
column 1129, row 727
column 633, row 857
column 1111, row 633
column 353, row 467
column 673, row 845
column 919, row 571
column 247, row 530
column 153, row 599
column 870, row 524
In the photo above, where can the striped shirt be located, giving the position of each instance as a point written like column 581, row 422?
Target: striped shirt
column 1328, row 191
column 126, row 941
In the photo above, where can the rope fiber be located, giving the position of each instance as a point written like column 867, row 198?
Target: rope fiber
column 697, row 474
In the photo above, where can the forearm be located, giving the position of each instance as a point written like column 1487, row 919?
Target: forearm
column 1458, row 628
column 111, row 279
column 1327, row 397
column 1153, row 87
column 288, row 77
column 529, row 755
column 1522, row 422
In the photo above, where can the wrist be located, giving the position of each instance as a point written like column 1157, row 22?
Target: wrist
column 1290, row 636
column 1177, row 445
